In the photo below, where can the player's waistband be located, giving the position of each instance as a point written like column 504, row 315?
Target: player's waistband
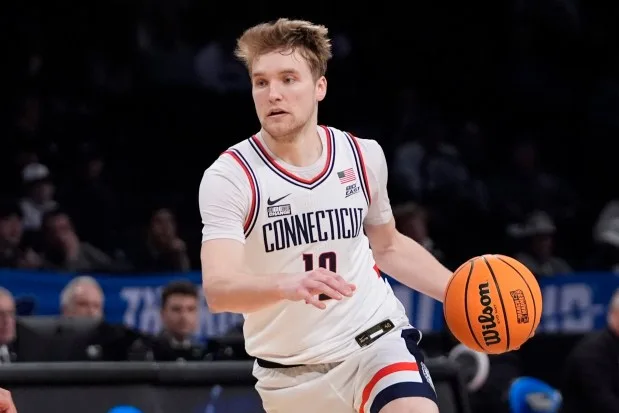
column 363, row 339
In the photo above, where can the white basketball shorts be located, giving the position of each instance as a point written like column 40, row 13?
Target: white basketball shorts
column 390, row 368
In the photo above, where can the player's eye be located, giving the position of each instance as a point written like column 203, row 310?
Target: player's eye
column 289, row 79
column 260, row 83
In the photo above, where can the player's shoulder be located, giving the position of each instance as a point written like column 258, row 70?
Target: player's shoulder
column 230, row 160
column 230, row 166
column 365, row 143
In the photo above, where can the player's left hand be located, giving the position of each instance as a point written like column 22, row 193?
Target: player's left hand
column 6, row 402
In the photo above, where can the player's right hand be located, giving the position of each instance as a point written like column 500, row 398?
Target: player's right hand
column 6, row 402
column 309, row 285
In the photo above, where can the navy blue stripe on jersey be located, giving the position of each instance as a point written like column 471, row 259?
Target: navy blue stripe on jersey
column 254, row 208
column 290, row 177
column 360, row 165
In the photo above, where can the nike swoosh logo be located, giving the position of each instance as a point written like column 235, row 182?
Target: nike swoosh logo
column 275, row 201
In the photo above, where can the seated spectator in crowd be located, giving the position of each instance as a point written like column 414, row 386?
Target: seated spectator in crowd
column 538, row 254
column 591, row 376
column 412, row 221
column 82, row 297
column 63, row 250
column 525, row 185
column 39, row 195
column 13, row 251
column 163, row 249
column 179, row 316
column 605, row 256
column 7, row 326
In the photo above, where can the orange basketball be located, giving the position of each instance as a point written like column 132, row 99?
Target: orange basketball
column 493, row 304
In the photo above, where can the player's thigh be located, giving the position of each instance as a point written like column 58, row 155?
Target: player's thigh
column 391, row 370
column 299, row 390
column 410, row 405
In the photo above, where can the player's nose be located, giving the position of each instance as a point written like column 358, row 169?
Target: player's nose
column 275, row 94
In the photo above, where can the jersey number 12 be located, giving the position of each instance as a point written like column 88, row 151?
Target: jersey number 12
column 326, row 260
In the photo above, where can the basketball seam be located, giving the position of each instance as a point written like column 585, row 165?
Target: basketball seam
column 466, row 306
column 530, row 291
column 498, row 289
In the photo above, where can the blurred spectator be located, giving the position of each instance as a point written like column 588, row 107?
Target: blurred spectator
column 412, row 220
column 82, row 297
column 11, row 230
column 430, row 168
column 13, row 252
column 39, row 195
column 7, row 325
column 218, row 70
column 28, row 119
column 473, row 146
column 93, row 205
column 179, row 315
column 63, row 250
column 179, row 312
column 539, row 252
column 606, row 256
column 606, row 236
column 608, row 213
column 591, row 375
column 163, row 249
column 525, row 187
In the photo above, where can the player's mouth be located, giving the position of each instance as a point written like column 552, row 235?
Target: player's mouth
column 273, row 113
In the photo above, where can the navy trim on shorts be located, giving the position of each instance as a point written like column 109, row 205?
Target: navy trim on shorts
column 411, row 337
column 401, row 390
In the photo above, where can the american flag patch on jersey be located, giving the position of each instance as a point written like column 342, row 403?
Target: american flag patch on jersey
column 346, row 176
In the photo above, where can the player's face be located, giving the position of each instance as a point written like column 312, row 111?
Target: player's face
column 286, row 95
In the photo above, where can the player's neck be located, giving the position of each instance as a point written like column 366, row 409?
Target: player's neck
column 302, row 149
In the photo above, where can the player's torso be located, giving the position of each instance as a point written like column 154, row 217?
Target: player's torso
column 298, row 223
column 302, row 222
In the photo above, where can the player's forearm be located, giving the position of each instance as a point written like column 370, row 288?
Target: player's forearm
column 412, row 265
column 240, row 292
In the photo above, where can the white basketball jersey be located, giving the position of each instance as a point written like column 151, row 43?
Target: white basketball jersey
column 294, row 224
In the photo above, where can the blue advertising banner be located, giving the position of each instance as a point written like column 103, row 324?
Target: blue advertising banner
column 572, row 303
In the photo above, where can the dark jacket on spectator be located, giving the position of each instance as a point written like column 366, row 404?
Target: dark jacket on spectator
column 591, row 375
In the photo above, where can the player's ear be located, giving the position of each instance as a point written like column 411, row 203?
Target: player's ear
column 321, row 88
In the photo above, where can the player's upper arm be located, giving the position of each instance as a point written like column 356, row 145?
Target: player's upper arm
column 220, row 257
column 224, row 201
column 376, row 167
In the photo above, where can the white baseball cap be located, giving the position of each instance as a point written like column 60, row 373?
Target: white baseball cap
column 35, row 172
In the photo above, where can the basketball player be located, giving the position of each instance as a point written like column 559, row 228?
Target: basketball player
column 284, row 216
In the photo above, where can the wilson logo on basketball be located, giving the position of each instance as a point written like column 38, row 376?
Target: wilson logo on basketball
column 522, row 312
column 487, row 319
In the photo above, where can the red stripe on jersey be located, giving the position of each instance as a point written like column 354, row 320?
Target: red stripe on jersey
column 253, row 207
column 363, row 168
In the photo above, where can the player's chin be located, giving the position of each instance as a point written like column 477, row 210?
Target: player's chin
column 278, row 128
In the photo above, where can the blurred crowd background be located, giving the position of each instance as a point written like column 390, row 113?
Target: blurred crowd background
column 498, row 121
column 495, row 120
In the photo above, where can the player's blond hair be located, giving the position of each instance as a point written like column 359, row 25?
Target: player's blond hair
column 285, row 35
